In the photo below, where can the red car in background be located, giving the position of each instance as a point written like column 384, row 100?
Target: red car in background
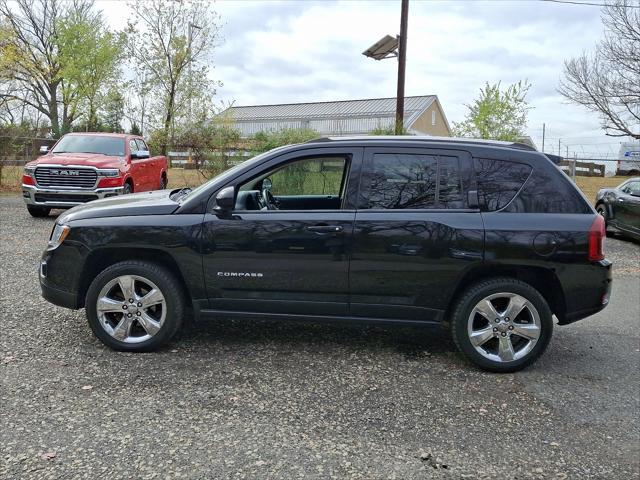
column 87, row 166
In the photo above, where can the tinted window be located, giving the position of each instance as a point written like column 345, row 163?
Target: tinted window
column 499, row 181
column 548, row 191
column 104, row 145
column 410, row 181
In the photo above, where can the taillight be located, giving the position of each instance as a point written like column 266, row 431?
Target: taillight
column 597, row 234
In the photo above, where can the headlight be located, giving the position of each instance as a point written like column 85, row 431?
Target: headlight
column 29, row 170
column 109, row 172
column 58, row 235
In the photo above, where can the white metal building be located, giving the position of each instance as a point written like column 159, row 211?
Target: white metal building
column 422, row 115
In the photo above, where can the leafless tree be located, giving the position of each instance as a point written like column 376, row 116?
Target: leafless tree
column 171, row 41
column 607, row 81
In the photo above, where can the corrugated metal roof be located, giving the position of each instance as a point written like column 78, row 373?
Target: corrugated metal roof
column 339, row 117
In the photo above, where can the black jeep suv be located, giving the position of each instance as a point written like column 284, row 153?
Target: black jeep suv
column 487, row 238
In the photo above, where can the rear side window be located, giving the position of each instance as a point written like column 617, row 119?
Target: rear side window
column 548, row 190
column 414, row 181
column 499, row 181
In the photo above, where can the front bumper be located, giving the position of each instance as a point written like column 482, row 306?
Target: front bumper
column 59, row 198
column 59, row 275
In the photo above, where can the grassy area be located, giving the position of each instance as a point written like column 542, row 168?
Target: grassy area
column 179, row 177
column 591, row 185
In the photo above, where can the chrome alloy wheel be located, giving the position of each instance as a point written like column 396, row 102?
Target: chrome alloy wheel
column 504, row 327
column 131, row 308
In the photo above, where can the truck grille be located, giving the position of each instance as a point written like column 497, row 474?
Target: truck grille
column 65, row 177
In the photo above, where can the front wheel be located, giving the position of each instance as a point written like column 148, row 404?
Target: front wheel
column 502, row 324
column 38, row 212
column 135, row 306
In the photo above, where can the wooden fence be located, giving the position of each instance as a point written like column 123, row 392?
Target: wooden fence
column 582, row 169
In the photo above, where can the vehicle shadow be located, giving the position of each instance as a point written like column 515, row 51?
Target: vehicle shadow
column 411, row 341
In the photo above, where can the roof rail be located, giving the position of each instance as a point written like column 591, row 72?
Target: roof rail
column 427, row 138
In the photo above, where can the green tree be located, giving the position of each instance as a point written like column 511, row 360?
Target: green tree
column 171, row 42
column 113, row 110
column 89, row 57
column 496, row 114
column 52, row 58
column 390, row 130
column 264, row 141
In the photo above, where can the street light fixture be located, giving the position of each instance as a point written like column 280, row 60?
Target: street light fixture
column 388, row 47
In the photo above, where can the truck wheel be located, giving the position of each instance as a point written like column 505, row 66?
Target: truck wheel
column 135, row 306
column 127, row 189
column 502, row 324
column 36, row 211
column 163, row 182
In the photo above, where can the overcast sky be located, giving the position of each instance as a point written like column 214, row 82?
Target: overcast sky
column 300, row 51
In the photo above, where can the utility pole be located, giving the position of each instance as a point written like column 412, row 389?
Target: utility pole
column 543, row 132
column 559, row 153
column 402, row 60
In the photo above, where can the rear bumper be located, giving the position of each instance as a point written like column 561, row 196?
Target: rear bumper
column 594, row 294
column 58, row 198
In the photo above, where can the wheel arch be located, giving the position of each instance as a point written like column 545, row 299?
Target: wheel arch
column 100, row 259
column 607, row 206
column 129, row 180
column 544, row 280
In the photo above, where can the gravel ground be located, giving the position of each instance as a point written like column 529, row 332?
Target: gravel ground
column 283, row 400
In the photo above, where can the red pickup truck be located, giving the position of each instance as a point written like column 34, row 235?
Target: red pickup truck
column 87, row 166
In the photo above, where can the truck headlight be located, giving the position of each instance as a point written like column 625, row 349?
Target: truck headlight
column 29, row 170
column 58, row 235
column 109, row 172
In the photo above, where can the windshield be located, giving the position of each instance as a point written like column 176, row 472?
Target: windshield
column 103, row 145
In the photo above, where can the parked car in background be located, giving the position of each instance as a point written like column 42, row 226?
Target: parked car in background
column 488, row 239
column 87, row 166
column 629, row 159
column 620, row 207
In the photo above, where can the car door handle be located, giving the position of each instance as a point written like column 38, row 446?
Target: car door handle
column 621, row 199
column 325, row 228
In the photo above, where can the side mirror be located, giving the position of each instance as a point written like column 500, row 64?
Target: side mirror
column 225, row 200
column 140, row 154
column 44, row 149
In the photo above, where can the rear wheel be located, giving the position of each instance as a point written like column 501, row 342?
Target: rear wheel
column 163, row 182
column 135, row 306
column 502, row 324
column 36, row 211
column 127, row 188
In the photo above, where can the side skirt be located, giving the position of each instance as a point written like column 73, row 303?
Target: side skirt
column 207, row 314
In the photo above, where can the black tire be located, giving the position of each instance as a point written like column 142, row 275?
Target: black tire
column 127, row 189
column 38, row 212
column 163, row 182
column 601, row 208
column 166, row 282
column 473, row 295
